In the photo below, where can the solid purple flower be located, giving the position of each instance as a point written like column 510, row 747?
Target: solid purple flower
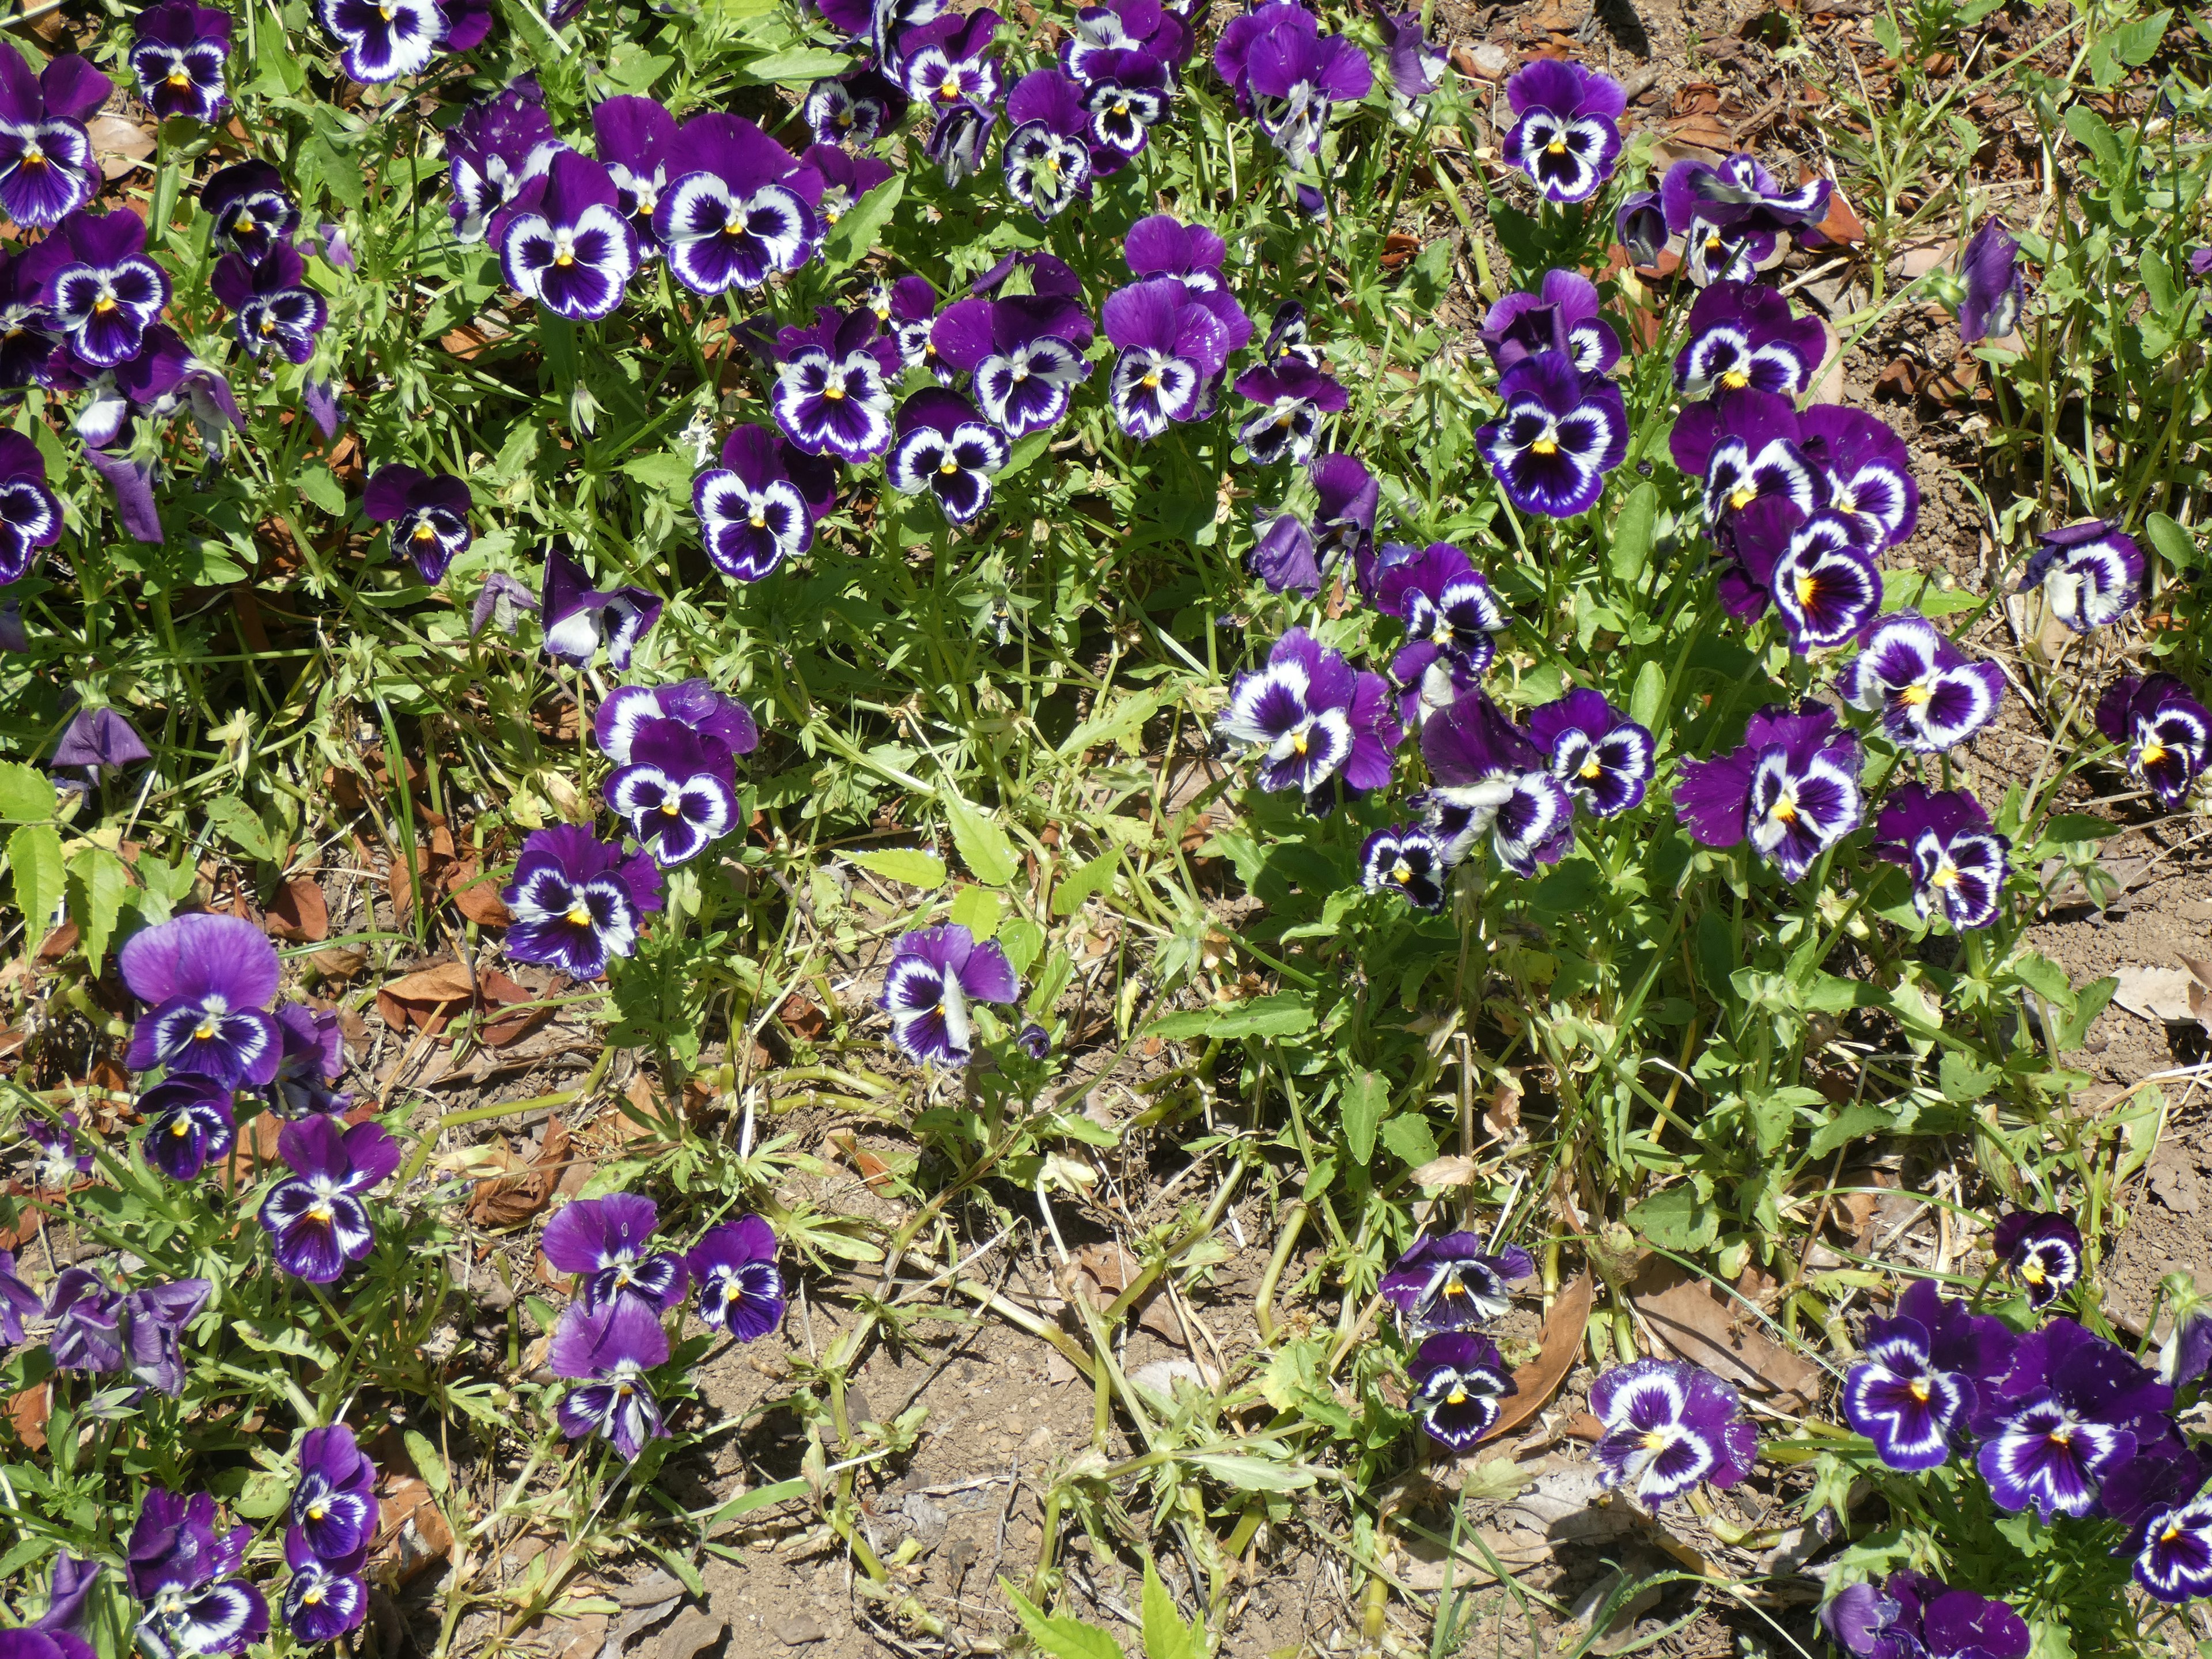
column 86, row 1315
column 1161, row 245
column 1313, row 718
column 2072, row 1410
column 333, row 1507
column 1293, row 76
column 958, row 139
column 1407, row 860
column 1931, row 694
column 100, row 289
column 945, row 447
column 1792, row 789
column 188, row 1123
column 1604, row 758
column 1046, row 156
column 1943, row 839
column 47, row 170
column 1172, row 347
column 69, row 1589
column 178, row 50
column 632, row 712
column 1458, row 1381
column 758, row 507
column 1868, row 470
column 207, row 980
column 740, row 1292
column 1743, row 334
column 2167, row 731
column 318, row 1226
column 1024, row 351
column 428, row 514
column 98, row 740
column 61, row 1160
column 1448, row 1282
column 271, row 303
column 577, row 902
column 637, row 145
column 1557, row 437
column 321, row 1602
column 1415, row 64
column 1282, row 554
column 251, row 212
column 1668, row 1426
column 2090, row 574
column 743, row 211
column 1292, row 398
column 1922, row 1377
column 153, row 1317
column 1995, row 288
column 935, row 973
column 1491, row 779
column 27, row 333
column 608, row 1350
column 179, row 1570
column 608, row 1242
column 833, row 392
column 1344, row 514
column 18, row 1302
column 565, row 241
column 855, row 108
column 576, row 618
column 1452, row 618
column 1567, row 134
column 1562, row 315
column 2042, row 1249
column 498, row 145
column 1640, row 223
column 1912, row 1615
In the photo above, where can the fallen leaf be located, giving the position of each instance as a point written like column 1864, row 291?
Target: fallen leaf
column 255, row 1149
column 1397, row 248
column 339, row 962
column 802, row 1019
column 1698, row 1326
column 525, row 1186
column 117, row 145
column 1101, row 1272
column 1702, row 131
column 1840, row 225
column 411, row 1533
column 496, row 989
column 873, row 1169
column 2159, row 994
column 1536, row 1383
column 28, row 1411
column 59, row 943
column 1452, row 1170
column 299, row 914
column 476, row 896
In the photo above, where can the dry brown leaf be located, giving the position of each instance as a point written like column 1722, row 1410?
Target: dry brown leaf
column 1703, row 132
column 1841, row 225
column 117, row 145
column 1536, row 1383
column 872, row 1169
column 498, row 990
column 1452, row 1170
column 28, row 1411
column 1101, row 1271
column 1397, row 248
column 255, row 1149
column 339, row 962
column 476, row 896
column 1683, row 1312
column 299, row 914
column 802, row 1019
column 411, row 1532
column 525, row 1186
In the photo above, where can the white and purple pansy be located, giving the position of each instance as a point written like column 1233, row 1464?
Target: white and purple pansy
column 1313, row 718
column 1566, row 133
column 1728, row 215
column 272, row 304
column 334, row 1500
column 935, row 974
column 322, row 1601
column 188, row 1123
column 564, row 240
column 1025, row 352
column 1742, row 334
column 1994, row 290
column 47, row 170
column 1458, row 1380
column 101, row 292
column 208, row 980
column 1124, row 26
column 1127, row 98
column 846, row 178
column 577, row 902
column 1451, row 1282
column 758, row 507
column 948, row 60
column 832, row 393
column 637, row 143
column 1825, row 582
column 318, row 1226
column 575, row 618
column 678, row 792
column 27, row 333
column 2074, row 1408
column 2175, row 1562
column 1668, row 1425
column 1921, row 1376
column 30, row 517
column 1293, row 396
column 1944, row 840
column 497, row 146
column 1604, row 758
column 743, row 211
column 251, row 212
column 855, row 109
column 1294, row 76
column 385, row 39
column 606, row 1351
column 1912, row 1616
column 1161, row 245
column 178, row 50
column 429, row 513
column 959, row 139
column 631, row 712
column 1792, row 789
column 1743, row 445
column 1452, row 618
column 608, row 1243
column 1561, row 315
column 1048, row 155
column 947, row 450
column 1868, row 470
column 1170, row 348
column 1931, row 694
column 2091, row 575
column 2042, row 1248
column 1405, row 860
column 181, row 1572
column 740, row 1292
column 1490, row 778
column 2166, row 730
column 1557, row 437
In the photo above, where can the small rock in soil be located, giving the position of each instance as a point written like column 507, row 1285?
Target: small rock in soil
column 692, row 1633
column 798, row 1631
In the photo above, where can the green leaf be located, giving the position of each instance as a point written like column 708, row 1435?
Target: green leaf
column 1060, row 1638
column 27, row 795
column 1409, row 1138
column 428, row 1464
column 242, row 825
column 759, row 1499
column 34, row 860
column 1122, row 718
column 1279, row 1013
column 1632, row 531
column 907, row 863
column 2044, row 977
column 1023, row 941
column 1961, row 1080
column 1166, row 1636
column 2179, row 546
column 2078, row 826
column 1676, row 1219
column 1092, row 878
column 1249, row 1473
column 983, row 846
column 2091, row 132
column 800, row 67
column 1650, row 691
column 1367, row 1097
column 2089, row 1002
column 977, row 910
column 316, row 483
column 99, row 883
column 1851, row 1124
column 669, row 473
column 266, row 1493
column 854, row 233
column 2136, row 44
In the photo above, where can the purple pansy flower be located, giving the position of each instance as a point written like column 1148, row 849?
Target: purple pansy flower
column 1743, row 446
column 1447, row 1282
column 1407, row 860
column 314, row 1057
column 2073, row 1409
column 608, row 1242
column 934, row 974
column 608, row 1351
column 758, row 507
column 1641, row 225
column 2186, row 1352
column 1288, row 75
column 1868, row 470
column 1729, row 213
column 61, row 1624
column 1996, row 289
column 1792, row 789
column 1604, row 758
column 577, row 900
column 384, row 40
column 334, row 1500
column 948, row 60
column 429, row 513
column 1458, row 1381
column 1562, row 315
column 739, row 1290
column 251, row 212
column 1292, row 398
column 1916, row 1617
column 1668, row 1425
column 1741, row 334
column 1282, row 554
column 1344, row 514
column 1815, row 571
column 1046, row 156
column 632, row 712
column 178, row 50
column 878, row 24
column 1127, row 94
column 1943, row 839
column 846, row 178
column 207, row 980
column 100, row 289
column 1557, row 437
column 1452, row 619
column 1172, row 347
column 503, row 600
column 1931, row 694
column 1288, row 338
column 30, row 520
column 1161, row 245
column 2090, row 574
column 61, row 1160
column 153, row 1319
column 1917, row 1389
column 47, row 170
column 637, row 143
column 18, row 1302
column 322, row 1601
column 1313, row 719
column 832, row 394
column 946, row 448
column 1024, row 351
column 576, row 618
column 677, row 793
column 1146, row 26
column 908, row 309
column 26, row 332
column 855, row 108
column 2042, row 1249
column 1567, row 135
column 188, row 1123
column 745, row 210
column 958, row 140
column 2166, row 730
column 317, row 1224
column 1491, row 779
column 271, row 303
column 2175, row 1561
column 499, row 144
column 87, row 1314
column 565, row 241
column 1416, row 65
column 181, row 1573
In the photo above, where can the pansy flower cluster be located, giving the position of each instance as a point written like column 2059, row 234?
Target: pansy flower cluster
column 1444, row 1288
column 333, row 1517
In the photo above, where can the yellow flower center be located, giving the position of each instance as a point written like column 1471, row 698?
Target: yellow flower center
column 1457, row 1396
column 104, row 304
column 423, row 532
column 2033, row 1273
column 385, row 12
column 178, row 78
column 1735, row 379
column 671, row 808
column 564, row 258
column 1557, row 147
column 33, row 156
column 1151, row 379
column 1545, row 446
column 1783, row 811
column 948, row 466
column 578, row 917
column 313, row 1596
column 2153, row 752
column 321, row 1213
column 205, row 1030
column 180, row 1128
column 1299, row 741
column 268, row 325
column 1806, row 588
column 245, row 226
column 1946, row 875
column 1918, row 1389
column 1742, row 496
column 1913, row 696
column 834, row 393
column 1654, row 1440
column 317, row 1511
column 1401, row 872
column 759, row 518
column 1590, row 767
column 1121, row 108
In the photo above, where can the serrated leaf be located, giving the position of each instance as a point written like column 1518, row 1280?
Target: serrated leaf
column 913, row 868
column 428, row 1464
column 1060, row 1638
column 982, row 845
column 1166, row 1636
column 1632, row 531
column 1367, row 1097
column 100, row 882
column 976, row 908
column 1279, row 1013
column 35, row 865
column 27, row 794
column 1409, row 1138
column 854, row 233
